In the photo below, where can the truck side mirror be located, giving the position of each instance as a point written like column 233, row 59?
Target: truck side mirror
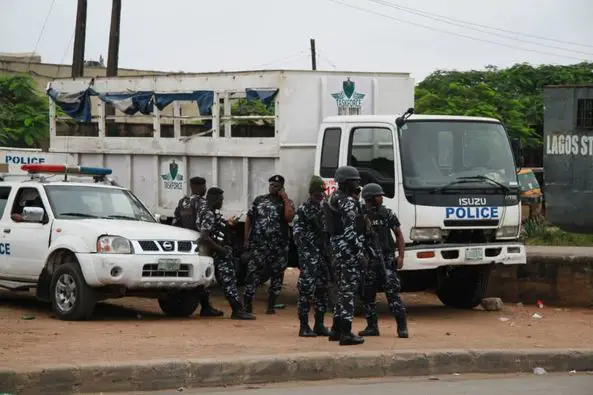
column 517, row 152
column 33, row 214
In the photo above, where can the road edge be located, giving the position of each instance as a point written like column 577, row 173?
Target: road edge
column 210, row 372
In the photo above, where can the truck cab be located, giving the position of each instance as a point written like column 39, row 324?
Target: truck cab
column 79, row 242
column 452, row 182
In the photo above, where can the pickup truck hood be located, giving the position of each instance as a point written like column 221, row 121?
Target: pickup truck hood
column 133, row 230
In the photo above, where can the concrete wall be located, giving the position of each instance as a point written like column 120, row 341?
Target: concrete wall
column 556, row 280
column 45, row 72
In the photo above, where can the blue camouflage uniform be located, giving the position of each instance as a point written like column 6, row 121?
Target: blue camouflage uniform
column 187, row 215
column 347, row 249
column 214, row 223
column 268, row 245
column 313, row 250
column 382, row 268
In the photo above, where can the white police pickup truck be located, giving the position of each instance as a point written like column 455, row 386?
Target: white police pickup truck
column 78, row 242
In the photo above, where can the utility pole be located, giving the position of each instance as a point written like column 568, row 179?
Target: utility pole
column 79, row 40
column 113, row 60
column 313, row 55
column 113, row 51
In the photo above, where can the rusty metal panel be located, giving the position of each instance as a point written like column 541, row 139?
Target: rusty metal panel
column 568, row 157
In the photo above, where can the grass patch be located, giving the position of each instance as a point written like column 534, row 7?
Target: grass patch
column 536, row 231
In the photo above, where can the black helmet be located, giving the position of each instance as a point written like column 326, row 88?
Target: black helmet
column 371, row 190
column 345, row 173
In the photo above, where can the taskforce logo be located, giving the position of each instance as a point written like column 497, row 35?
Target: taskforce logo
column 348, row 100
column 172, row 179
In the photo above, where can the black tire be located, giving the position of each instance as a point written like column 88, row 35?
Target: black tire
column 180, row 304
column 84, row 297
column 463, row 287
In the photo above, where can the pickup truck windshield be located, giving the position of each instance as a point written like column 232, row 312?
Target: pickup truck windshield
column 436, row 153
column 79, row 201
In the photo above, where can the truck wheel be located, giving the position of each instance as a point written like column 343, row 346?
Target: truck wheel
column 71, row 298
column 463, row 287
column 181, row 304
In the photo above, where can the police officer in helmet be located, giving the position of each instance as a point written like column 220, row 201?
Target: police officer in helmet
column 383, row 221
column 344, row 223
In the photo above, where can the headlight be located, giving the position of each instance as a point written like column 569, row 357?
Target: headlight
column 507, row 232
column 114, row 245
column 426, row 234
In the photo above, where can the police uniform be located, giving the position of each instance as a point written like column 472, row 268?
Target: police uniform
column 213, row 222
column 312, row 246
column 344, row 222
column 186, row 216
column 268, row 245
column 382, row 268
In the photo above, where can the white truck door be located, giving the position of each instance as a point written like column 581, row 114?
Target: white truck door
column 371, row 149
column 28, row 241
column 5, row 250
column 328, row 158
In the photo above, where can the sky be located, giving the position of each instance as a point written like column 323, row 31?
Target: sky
column 415, row 36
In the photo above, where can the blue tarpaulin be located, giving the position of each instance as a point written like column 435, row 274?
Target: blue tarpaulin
column 78, row 105
column 266, row 96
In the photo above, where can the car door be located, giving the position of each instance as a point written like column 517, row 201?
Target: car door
column 5, row 250
column 28, row 241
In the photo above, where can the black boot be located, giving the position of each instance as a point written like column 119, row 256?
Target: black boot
column 271, row 304
column 319, row 328
column 239, row 312
column 207, row 309
column 402, row 326
column 335, row 331
column 247, row 306
column 372, row 328
column 347, row 338
column 305, row 330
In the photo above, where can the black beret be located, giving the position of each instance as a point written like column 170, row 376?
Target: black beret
column 214, row 191
column 277, row 178
column 197, row 181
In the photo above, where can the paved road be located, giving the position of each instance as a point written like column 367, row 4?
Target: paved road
column 550, row 384
column 560, row 251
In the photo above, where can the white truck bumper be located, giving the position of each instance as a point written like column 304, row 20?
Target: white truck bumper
column 142, row 271
column 431, row 257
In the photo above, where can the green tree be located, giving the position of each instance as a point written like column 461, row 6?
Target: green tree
column 24, row 114
column 514, row 95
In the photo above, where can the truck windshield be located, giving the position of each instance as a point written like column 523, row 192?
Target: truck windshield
column 436, row 153
column 79, row 201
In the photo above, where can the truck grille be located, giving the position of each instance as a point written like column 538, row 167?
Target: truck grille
column 166, row 245
column 152, row 270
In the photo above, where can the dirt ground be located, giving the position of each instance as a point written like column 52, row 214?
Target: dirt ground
column 132, row 329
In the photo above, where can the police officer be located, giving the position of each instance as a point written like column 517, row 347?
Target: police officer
column 344, row 224
column 383, row 221
column 216, row 238
column 312, row 246
column 267, row 240
column 187, row 216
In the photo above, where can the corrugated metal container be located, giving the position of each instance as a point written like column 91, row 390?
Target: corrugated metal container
column 568, row 156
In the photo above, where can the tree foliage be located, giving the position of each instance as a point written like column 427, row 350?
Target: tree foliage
column 514, row 95
column 24, row 114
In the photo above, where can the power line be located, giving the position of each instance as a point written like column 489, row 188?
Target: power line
column 65, row 53
column 452, row 33
column 493, row 28
column 443, row 19
column 282, row 60
column 321, row 54
column 51, row 7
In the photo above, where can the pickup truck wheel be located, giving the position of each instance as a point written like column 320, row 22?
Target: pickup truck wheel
column 181, row 304
column 71, row 298
column 463, row 287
